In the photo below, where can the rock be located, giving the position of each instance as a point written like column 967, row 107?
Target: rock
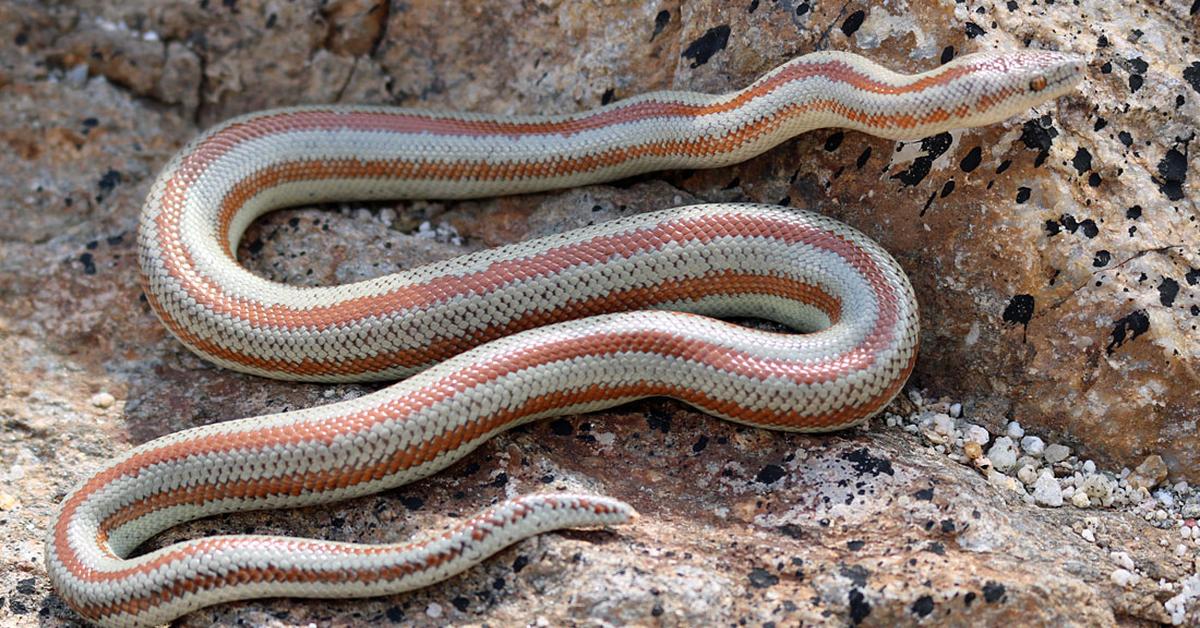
column 976, row 434
column 1149, row 474
column 1056, row 453
column 1099, row 489
column 103, row 400
column 1033, row 446
column 1003, row 454
column 943, row 424
column 1052, row 256
column 1047, row 492
column 972, row 450
column 1124, row 577
column 1028, row 475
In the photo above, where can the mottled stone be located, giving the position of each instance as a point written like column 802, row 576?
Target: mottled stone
column 1149, row 474
column 1054, row 257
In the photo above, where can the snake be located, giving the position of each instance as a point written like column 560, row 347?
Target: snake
column 569, row 323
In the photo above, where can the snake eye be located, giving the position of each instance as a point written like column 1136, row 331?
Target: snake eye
column 1038, row 84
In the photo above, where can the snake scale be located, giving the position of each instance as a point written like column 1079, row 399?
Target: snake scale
column 560, row 325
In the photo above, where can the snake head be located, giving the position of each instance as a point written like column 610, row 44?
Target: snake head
column 1001, row 85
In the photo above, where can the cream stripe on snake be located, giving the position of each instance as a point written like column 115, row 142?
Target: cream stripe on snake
column 565, row 324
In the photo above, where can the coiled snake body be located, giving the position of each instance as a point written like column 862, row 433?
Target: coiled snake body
column 565, row 324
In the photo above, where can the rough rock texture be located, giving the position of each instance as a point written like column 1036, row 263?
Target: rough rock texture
column 1056, row 259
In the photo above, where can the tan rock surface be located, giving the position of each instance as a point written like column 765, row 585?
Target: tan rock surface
column 1055, row 258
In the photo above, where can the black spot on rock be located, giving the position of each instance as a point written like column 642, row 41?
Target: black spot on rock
column 1133, row 213
column 1172, row 171
column 461, row 603
column 855, row 545
column 1101, row 259
column 1167, row 291
column 971, row 161
column 1082, row 160
column 1039, row 135
column 834, row 141
column 933, row 146
column 853, row 22
column 520, row 563
column 412, row 503
column 762, row 579
column 974, row 30
column 1089, row 228
column 1125, row 138
column 89, row 263
column 660, row 22
column 1192, row 277
column 947, row 54
column 1191, row 74
column 1135, row 82
column 770, row 474
column 707, row 45
column 108, row 181
column 864, row 462
column 925, row 494
column 608, row 96
column 862, row 159
column 1128, row 328
column 658, row 420
column 993, row 591
column 700, row 444
column 1019, row 310
column 859, row 607
column 923, row 606
column 802, row 8
column 1023, row 194
column 394, row 614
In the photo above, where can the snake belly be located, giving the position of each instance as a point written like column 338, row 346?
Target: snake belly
column 564, row 324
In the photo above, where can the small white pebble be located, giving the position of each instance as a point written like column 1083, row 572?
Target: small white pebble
column 1088, row 535
column 1047, row 492
column 1181, row 550
column 1089, row 467
column 943, row 424
column 956, row 410
column 915, row 397
column 1123, row 559
column 1123, row 577
column 1056, row 453
column 1015, row 431
column 976, row 434
column 1080, row 500
column 434, row 610
column 1003, row 453
column 1027, row 475
column 103, row 400
column 1033, row 445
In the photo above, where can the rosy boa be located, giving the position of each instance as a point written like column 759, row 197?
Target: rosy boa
column 565, row 324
